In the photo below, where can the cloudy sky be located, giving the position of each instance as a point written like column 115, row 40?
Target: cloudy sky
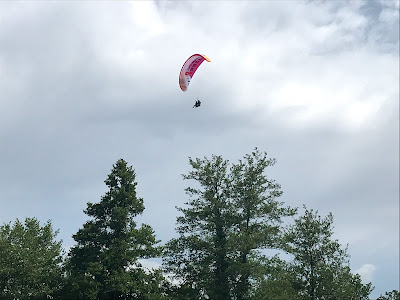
column 313, row 83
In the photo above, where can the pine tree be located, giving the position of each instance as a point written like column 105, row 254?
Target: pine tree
column 258, row 216
column 199, row 256
column 231, row 214
column 321, row 264
column 104, row 262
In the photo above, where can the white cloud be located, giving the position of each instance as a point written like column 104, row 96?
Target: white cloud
column 146, row 16
column 315, row 68
column 366, row 272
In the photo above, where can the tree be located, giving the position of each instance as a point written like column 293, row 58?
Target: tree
column 104, row 262
column 393, row 295
column 231, row 214
column 30, row 260
column 257, row 216
column 198, row 258
column 320, row 263
column 277, row 281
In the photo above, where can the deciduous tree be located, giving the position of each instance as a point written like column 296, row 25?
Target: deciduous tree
column 30, row 260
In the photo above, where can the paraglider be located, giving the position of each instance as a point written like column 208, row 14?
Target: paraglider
column 187, row 71
column 189, row 68
column 197, row 103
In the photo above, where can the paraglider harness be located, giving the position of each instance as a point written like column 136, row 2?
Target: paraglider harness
column 197, row 103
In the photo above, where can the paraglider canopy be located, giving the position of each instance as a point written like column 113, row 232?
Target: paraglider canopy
column 189, row 68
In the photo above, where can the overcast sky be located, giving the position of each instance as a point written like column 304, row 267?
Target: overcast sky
column 313, row 83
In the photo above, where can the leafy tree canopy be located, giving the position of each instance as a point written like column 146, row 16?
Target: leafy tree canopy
column 30, row 260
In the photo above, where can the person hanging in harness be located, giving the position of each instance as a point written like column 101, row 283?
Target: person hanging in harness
column 197, row 103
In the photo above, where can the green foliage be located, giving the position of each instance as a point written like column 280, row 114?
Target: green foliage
column 30, row 260
column 257, row 216
column 199, row 256
column 230, row 216
column 320, row 263
column 277, row 281
column 104, row 263
column 393, row 295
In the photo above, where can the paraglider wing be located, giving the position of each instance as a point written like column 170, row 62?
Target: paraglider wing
column 189, row 68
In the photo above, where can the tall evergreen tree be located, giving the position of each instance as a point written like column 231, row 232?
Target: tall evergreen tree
column 320, row 263
column 258, row 216
column 104, row 262
column 231, row 213
column 199, row 257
